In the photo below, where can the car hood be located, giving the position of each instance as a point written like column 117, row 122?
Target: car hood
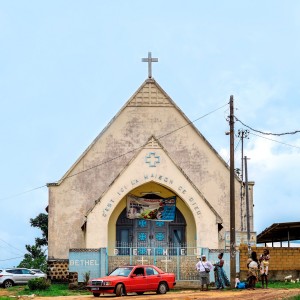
column 109, row 278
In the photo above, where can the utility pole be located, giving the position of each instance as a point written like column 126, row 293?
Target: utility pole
column 242, row 134
column 247, row 206
column 232, row 199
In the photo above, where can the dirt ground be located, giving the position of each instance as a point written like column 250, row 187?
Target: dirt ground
column 263, row 294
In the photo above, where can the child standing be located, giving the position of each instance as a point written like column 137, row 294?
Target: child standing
column 264, row 267
column 252, row 265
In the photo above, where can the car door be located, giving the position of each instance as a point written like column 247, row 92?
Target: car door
column 16, row 275
column 153, row 278
column 27, row 275
column 138, row 280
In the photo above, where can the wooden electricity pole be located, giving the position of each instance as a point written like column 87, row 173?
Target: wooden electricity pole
column 247, row 206
column 232, row 200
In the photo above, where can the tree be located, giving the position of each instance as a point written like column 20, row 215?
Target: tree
column 41, row 221
column 36, row 257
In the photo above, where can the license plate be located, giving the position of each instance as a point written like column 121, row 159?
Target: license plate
column 95, row 289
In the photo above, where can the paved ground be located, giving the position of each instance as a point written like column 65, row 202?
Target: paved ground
column 269, row 294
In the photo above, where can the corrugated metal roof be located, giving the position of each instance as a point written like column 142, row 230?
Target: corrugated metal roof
column 280, row 232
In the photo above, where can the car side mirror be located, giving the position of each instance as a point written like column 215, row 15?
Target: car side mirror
column 133, row 275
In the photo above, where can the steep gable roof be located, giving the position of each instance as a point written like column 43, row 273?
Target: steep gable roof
column 149, row 94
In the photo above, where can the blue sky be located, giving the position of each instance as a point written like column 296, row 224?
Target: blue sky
column 67, row 67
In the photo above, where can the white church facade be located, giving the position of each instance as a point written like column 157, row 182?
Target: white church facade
column 149, row 150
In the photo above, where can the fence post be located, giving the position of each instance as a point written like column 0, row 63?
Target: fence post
column 130, row 254
column 178, row 266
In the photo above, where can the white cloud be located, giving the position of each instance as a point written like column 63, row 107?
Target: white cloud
column 274, row 168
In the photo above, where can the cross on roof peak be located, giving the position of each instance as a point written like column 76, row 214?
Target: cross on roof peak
column 149, row 60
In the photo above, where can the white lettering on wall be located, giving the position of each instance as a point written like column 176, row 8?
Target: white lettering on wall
column 83, row 262
column 122, row 190
column 160, row 177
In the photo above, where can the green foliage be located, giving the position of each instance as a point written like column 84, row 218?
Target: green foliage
column 55, row 289
column 41, row 222
column 86, row 277
column 63, row 290
column 38, row 284
column 283, row 285
column 36, row 257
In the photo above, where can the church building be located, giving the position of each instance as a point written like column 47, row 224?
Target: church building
column 150, row 184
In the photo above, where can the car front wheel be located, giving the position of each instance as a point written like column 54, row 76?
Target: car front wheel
column 8, row 283
column 96, row 295
column 162, row 288
column 120, row 291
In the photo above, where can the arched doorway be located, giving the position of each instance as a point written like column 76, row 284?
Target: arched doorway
column 150, row 237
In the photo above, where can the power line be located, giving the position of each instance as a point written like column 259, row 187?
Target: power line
column 267, row 133
column 192, row 121
column 160, row 137
column 143, row 145
column 11, row 258
column 11, row 245
column 275, row 141
column 235, row 149
column 121, row 155
column 22, row 193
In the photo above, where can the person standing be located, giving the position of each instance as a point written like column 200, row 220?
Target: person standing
column 264, row 267
column 252, row 264
column 221, row 278
column 204, row 267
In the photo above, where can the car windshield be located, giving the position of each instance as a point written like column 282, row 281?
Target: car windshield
column 124, row 271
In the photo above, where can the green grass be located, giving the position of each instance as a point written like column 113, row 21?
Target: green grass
column 63, row 290
column 294, row 298
column 281, row 285
column 54, row 290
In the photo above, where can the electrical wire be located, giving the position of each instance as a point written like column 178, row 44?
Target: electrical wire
column 11, row 258
column 13, row 248
column 11, row 245
column 121, row 155
column 234, row 149
column 143, row 145
column 22, row 193
column 160, row 137
column 275, row 140
column 267, row 133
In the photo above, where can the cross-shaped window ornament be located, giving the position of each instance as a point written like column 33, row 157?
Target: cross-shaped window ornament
column 149, row 60
column 142, row 260
column 152, row 159
column 166, row 261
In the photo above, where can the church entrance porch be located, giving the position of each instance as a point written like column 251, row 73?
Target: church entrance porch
column 150, row 237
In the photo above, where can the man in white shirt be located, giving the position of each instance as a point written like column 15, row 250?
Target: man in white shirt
column 204, row 267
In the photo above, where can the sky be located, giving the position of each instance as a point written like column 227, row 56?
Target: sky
column 67, row 67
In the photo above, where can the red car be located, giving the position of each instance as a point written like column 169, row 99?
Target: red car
column 129, row 279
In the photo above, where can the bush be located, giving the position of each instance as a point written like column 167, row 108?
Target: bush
column 86, row 277
column 39, row 284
